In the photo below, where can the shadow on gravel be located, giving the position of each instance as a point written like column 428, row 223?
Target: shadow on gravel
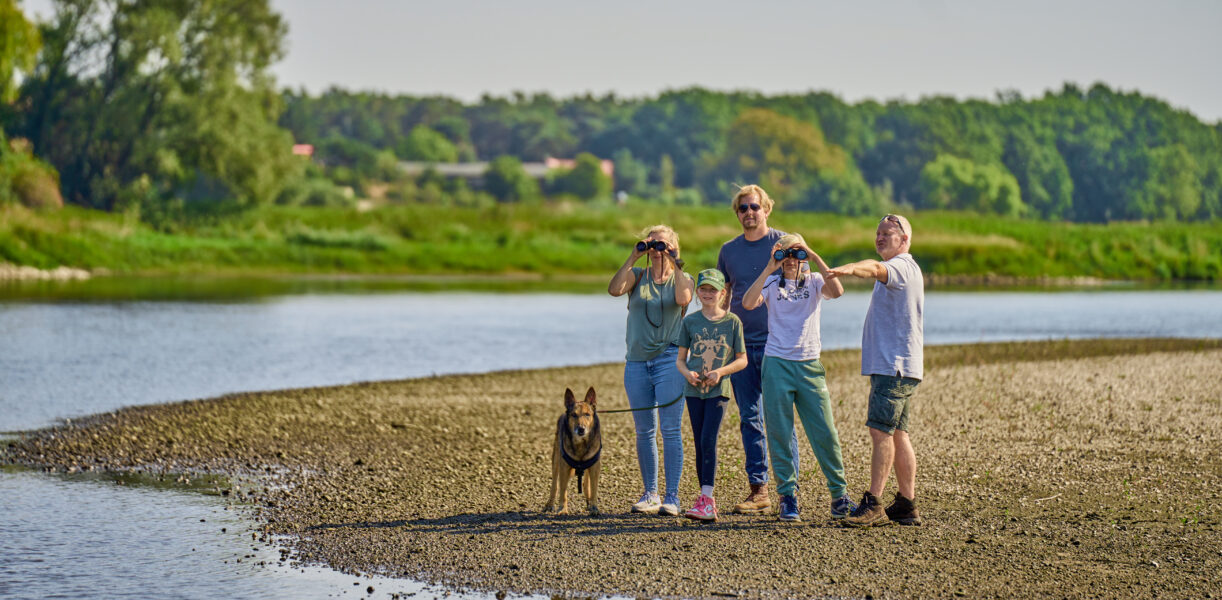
column 552, row 524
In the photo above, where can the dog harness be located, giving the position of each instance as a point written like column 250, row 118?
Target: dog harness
column 580, row 465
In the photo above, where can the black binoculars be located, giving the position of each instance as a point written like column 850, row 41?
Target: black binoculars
column 658, row 245
column 797, row 253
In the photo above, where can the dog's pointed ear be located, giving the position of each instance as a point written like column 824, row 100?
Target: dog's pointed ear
column 569, row 399
column 590, row 399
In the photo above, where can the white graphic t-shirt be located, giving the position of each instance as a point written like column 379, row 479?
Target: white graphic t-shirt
column 793, row 316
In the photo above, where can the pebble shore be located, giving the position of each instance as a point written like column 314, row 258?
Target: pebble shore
column 1072, row 469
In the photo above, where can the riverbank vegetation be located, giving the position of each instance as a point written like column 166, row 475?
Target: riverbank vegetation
column 185, row 149
column 576, row 241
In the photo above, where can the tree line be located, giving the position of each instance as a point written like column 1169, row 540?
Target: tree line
column 168, row 105
column 1083, row 154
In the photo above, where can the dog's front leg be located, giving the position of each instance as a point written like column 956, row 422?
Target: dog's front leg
column 591, row 491
column 551, row 499
column 566, row 473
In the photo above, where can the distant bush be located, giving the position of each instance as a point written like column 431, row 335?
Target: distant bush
column 507, row 181
column 688, row 197
column 585, row 180
column 37, row 186
column 26, row 179
column 314, row 192
column 329, row 238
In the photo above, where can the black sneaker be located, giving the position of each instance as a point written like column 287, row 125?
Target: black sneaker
column 903, row 511
column 869, row 513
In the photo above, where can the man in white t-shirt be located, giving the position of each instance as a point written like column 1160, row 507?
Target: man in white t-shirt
column 892, row 355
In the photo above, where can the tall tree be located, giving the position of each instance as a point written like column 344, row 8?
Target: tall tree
column 960, row 184
column 140, row 100
column 507, row 181
column 792, row 160
column 19, row 43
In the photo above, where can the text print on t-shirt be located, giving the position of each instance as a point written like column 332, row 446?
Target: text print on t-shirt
column 799, row 293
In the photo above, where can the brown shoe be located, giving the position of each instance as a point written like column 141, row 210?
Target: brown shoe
column 869, row 513
column 757, row 501
column 903, row 511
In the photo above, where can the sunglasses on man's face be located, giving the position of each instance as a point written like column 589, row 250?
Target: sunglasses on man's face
column 744, row 207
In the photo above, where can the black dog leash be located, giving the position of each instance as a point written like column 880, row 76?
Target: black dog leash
column 643, row 407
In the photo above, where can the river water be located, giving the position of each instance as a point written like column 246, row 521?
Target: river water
column 111, row 537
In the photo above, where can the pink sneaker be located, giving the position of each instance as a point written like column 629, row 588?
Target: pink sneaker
column 705, row 509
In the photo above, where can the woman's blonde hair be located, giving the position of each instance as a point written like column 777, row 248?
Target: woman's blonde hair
column 790, row 240
column 669, row 234
column 753, row 190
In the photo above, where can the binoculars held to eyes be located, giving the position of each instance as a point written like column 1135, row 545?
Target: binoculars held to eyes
column 658, row 245
column 797, row 253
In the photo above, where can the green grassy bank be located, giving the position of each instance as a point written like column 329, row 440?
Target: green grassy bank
column 576, row 241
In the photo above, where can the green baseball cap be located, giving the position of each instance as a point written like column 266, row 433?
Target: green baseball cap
column 711, row 277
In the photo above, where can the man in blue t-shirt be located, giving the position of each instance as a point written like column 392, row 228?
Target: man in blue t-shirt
column 741, row 260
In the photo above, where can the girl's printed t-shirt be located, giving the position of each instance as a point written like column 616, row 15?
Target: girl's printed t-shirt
column 793, row 316
column 711, row 345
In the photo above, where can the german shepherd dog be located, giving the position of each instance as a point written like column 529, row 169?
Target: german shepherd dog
column 578, row 449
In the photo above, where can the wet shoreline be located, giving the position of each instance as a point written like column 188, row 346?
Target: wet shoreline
column 1044, row 468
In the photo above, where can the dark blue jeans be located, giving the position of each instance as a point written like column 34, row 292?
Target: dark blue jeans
column 748, row 395
column 705, row 415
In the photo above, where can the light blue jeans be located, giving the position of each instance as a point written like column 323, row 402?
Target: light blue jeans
column 655, row 382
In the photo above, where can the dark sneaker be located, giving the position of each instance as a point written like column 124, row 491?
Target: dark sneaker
column 789, row 509
column 842, row 506
column 869, row 513
column 903, row 511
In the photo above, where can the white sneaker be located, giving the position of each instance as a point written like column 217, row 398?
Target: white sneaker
column 670, row 507
column 648, row 504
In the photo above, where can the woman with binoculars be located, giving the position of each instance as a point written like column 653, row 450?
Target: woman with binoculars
column 658, row 296
column 793, row 378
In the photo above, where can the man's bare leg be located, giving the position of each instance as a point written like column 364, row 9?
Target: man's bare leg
column 880, row 460
column 905, row 465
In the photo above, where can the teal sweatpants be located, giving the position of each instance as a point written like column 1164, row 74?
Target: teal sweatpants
column 801, row 385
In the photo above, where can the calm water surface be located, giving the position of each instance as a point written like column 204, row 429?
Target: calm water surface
column 73, row 537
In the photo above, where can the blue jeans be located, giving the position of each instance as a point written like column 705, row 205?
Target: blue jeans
column 655, row 382
column 705, row 415
column 748, row 395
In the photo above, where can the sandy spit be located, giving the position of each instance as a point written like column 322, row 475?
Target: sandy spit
column 1072, row 469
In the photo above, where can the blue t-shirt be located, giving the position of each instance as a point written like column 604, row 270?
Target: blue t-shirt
column 742, row 262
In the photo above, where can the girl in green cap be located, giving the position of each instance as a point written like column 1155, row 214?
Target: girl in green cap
column 710, row 349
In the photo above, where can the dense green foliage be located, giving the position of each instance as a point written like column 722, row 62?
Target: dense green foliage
column 507, row 181
column 1091, row 155
column 579, row 240
column 165, row 109
column 23, row 178
column 585, row 180
column 19, row 43
column 145, row 105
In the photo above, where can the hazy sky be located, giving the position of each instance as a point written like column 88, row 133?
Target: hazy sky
column 880, row 50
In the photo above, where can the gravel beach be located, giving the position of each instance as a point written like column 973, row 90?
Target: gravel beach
column 1075, row 469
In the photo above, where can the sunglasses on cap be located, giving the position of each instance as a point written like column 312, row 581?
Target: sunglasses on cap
column 744, row 207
